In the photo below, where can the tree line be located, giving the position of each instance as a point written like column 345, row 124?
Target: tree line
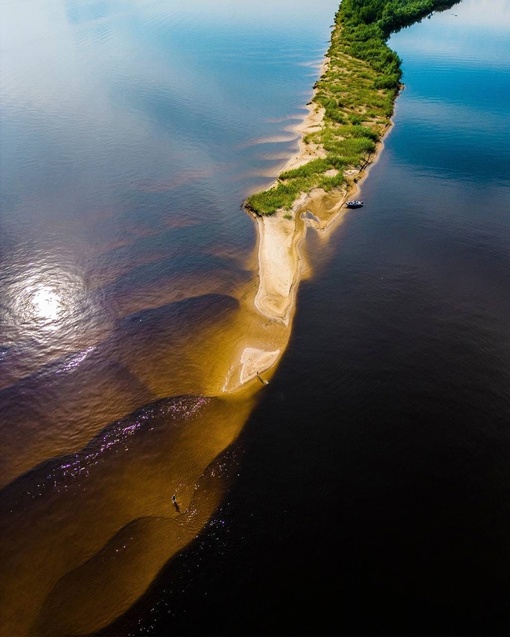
column 367, row 24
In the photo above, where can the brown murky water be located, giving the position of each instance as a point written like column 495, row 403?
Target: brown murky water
column 131, row 135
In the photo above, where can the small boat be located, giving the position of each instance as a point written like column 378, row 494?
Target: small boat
column 354, row 203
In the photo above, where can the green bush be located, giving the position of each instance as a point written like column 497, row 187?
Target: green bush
column 357, row 92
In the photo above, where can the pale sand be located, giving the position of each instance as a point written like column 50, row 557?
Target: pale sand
column 311, row 123
column 280, row 261
column 256, row 361
column 281, row 264
column 278, row 258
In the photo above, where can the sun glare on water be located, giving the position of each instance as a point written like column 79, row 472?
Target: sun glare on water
column 44, row 302
column 47, row 304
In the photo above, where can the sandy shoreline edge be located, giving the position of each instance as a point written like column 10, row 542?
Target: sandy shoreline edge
column 280, row 259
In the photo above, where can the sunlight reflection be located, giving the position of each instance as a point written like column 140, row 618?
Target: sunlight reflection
column 47, row 304
column 47, row 300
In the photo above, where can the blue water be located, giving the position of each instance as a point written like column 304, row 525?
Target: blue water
column 373, row 493
column 372, row 481
column 131, row 134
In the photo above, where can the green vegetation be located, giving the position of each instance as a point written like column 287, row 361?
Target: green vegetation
column 357, row 93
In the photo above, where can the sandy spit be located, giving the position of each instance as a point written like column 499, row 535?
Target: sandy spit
column 281, row 261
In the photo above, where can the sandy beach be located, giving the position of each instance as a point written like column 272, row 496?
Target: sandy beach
column 280, row 257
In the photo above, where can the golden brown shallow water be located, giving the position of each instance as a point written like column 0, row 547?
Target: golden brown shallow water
column 130, row 335
column 93, row 527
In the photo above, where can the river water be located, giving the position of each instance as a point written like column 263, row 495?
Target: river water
column 368, row 490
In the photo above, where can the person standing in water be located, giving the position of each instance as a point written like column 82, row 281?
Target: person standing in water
column 174, row 502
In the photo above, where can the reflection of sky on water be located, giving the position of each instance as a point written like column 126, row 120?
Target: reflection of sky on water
column 89, row 57
column 456, row 114
column 128, row 143
column 456, row 72
column 42, row 298
column 474, row 46
column 98, row 95
column 47, row 304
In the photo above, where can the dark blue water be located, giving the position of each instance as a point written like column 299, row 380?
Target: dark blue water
column 369, row 489
column 374, row 488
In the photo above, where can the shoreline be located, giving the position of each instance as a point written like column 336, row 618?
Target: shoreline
column 312, row 121
column 281, row 262
column 340, row 138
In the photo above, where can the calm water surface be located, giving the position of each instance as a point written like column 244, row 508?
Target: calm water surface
column 374, row 487
column 131, row 133
column 371, row 484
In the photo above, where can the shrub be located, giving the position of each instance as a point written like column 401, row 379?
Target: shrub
column 360, row 85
